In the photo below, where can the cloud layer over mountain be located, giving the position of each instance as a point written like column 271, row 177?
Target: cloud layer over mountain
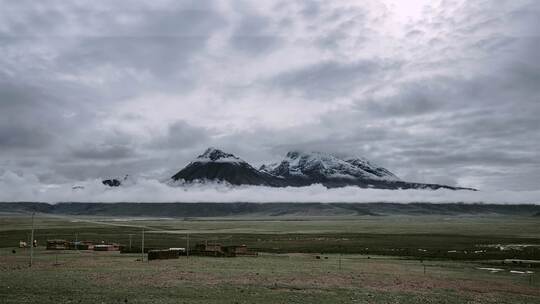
column 436, row 91
column 15, row 188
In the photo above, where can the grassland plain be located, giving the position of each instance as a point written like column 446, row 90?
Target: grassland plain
column 369, row 260
column 451, row 237
column 103, row 277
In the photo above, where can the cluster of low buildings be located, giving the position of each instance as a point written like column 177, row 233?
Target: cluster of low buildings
column 202, row 249
column 215, row 249
column 81, row 245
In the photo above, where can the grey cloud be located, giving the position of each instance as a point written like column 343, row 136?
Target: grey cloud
column 495, row 43
column 13, row 136
column 106, row 18
column 337, row 25
column 255, row 45
column 253, row 35
column 103, row 152
column 85, row 87
column 331, row 78
column 186, row 22
column 466, row 156
column 160, row 55
column 74, row 171
column 413, row 99
column 181, row 135
column 32, row 116
column 311, row 8
column 129, row 40
column 414, row 34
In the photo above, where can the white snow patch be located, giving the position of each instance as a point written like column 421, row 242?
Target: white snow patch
column 490, row 269
column 521, row 272
column 217, row 156
column 220, row 160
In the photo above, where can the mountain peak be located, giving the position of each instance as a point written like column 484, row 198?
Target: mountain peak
column 216, row 165
column 216, row 155
column 322, row 165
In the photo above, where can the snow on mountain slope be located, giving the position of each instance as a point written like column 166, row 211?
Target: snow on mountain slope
column 371, row 168
column 215, row 155
column 317, row 165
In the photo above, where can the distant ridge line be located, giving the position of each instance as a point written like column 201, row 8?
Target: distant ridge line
column 240, row 209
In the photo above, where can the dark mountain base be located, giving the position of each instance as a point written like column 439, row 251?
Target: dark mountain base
column 368, row 183
column 267, row 209
column 233, row 173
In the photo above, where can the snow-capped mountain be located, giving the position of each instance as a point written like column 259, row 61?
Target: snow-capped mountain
column 216, row 165
column 215, row 155
column 296, row 170
column 317, row 165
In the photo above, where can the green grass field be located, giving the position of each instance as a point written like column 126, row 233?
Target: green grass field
column 414, row 236
column 368, row 260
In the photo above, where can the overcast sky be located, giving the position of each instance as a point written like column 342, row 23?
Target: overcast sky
column 435, row 91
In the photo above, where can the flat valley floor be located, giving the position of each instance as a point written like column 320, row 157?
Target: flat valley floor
column 364, row 259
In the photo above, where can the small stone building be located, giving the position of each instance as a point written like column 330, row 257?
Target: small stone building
column 57, row 245
column 163, row 254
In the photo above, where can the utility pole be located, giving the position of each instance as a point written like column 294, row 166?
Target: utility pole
column 130, row 235
column 142, row 246
column 32, row 241
column 187, row 247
